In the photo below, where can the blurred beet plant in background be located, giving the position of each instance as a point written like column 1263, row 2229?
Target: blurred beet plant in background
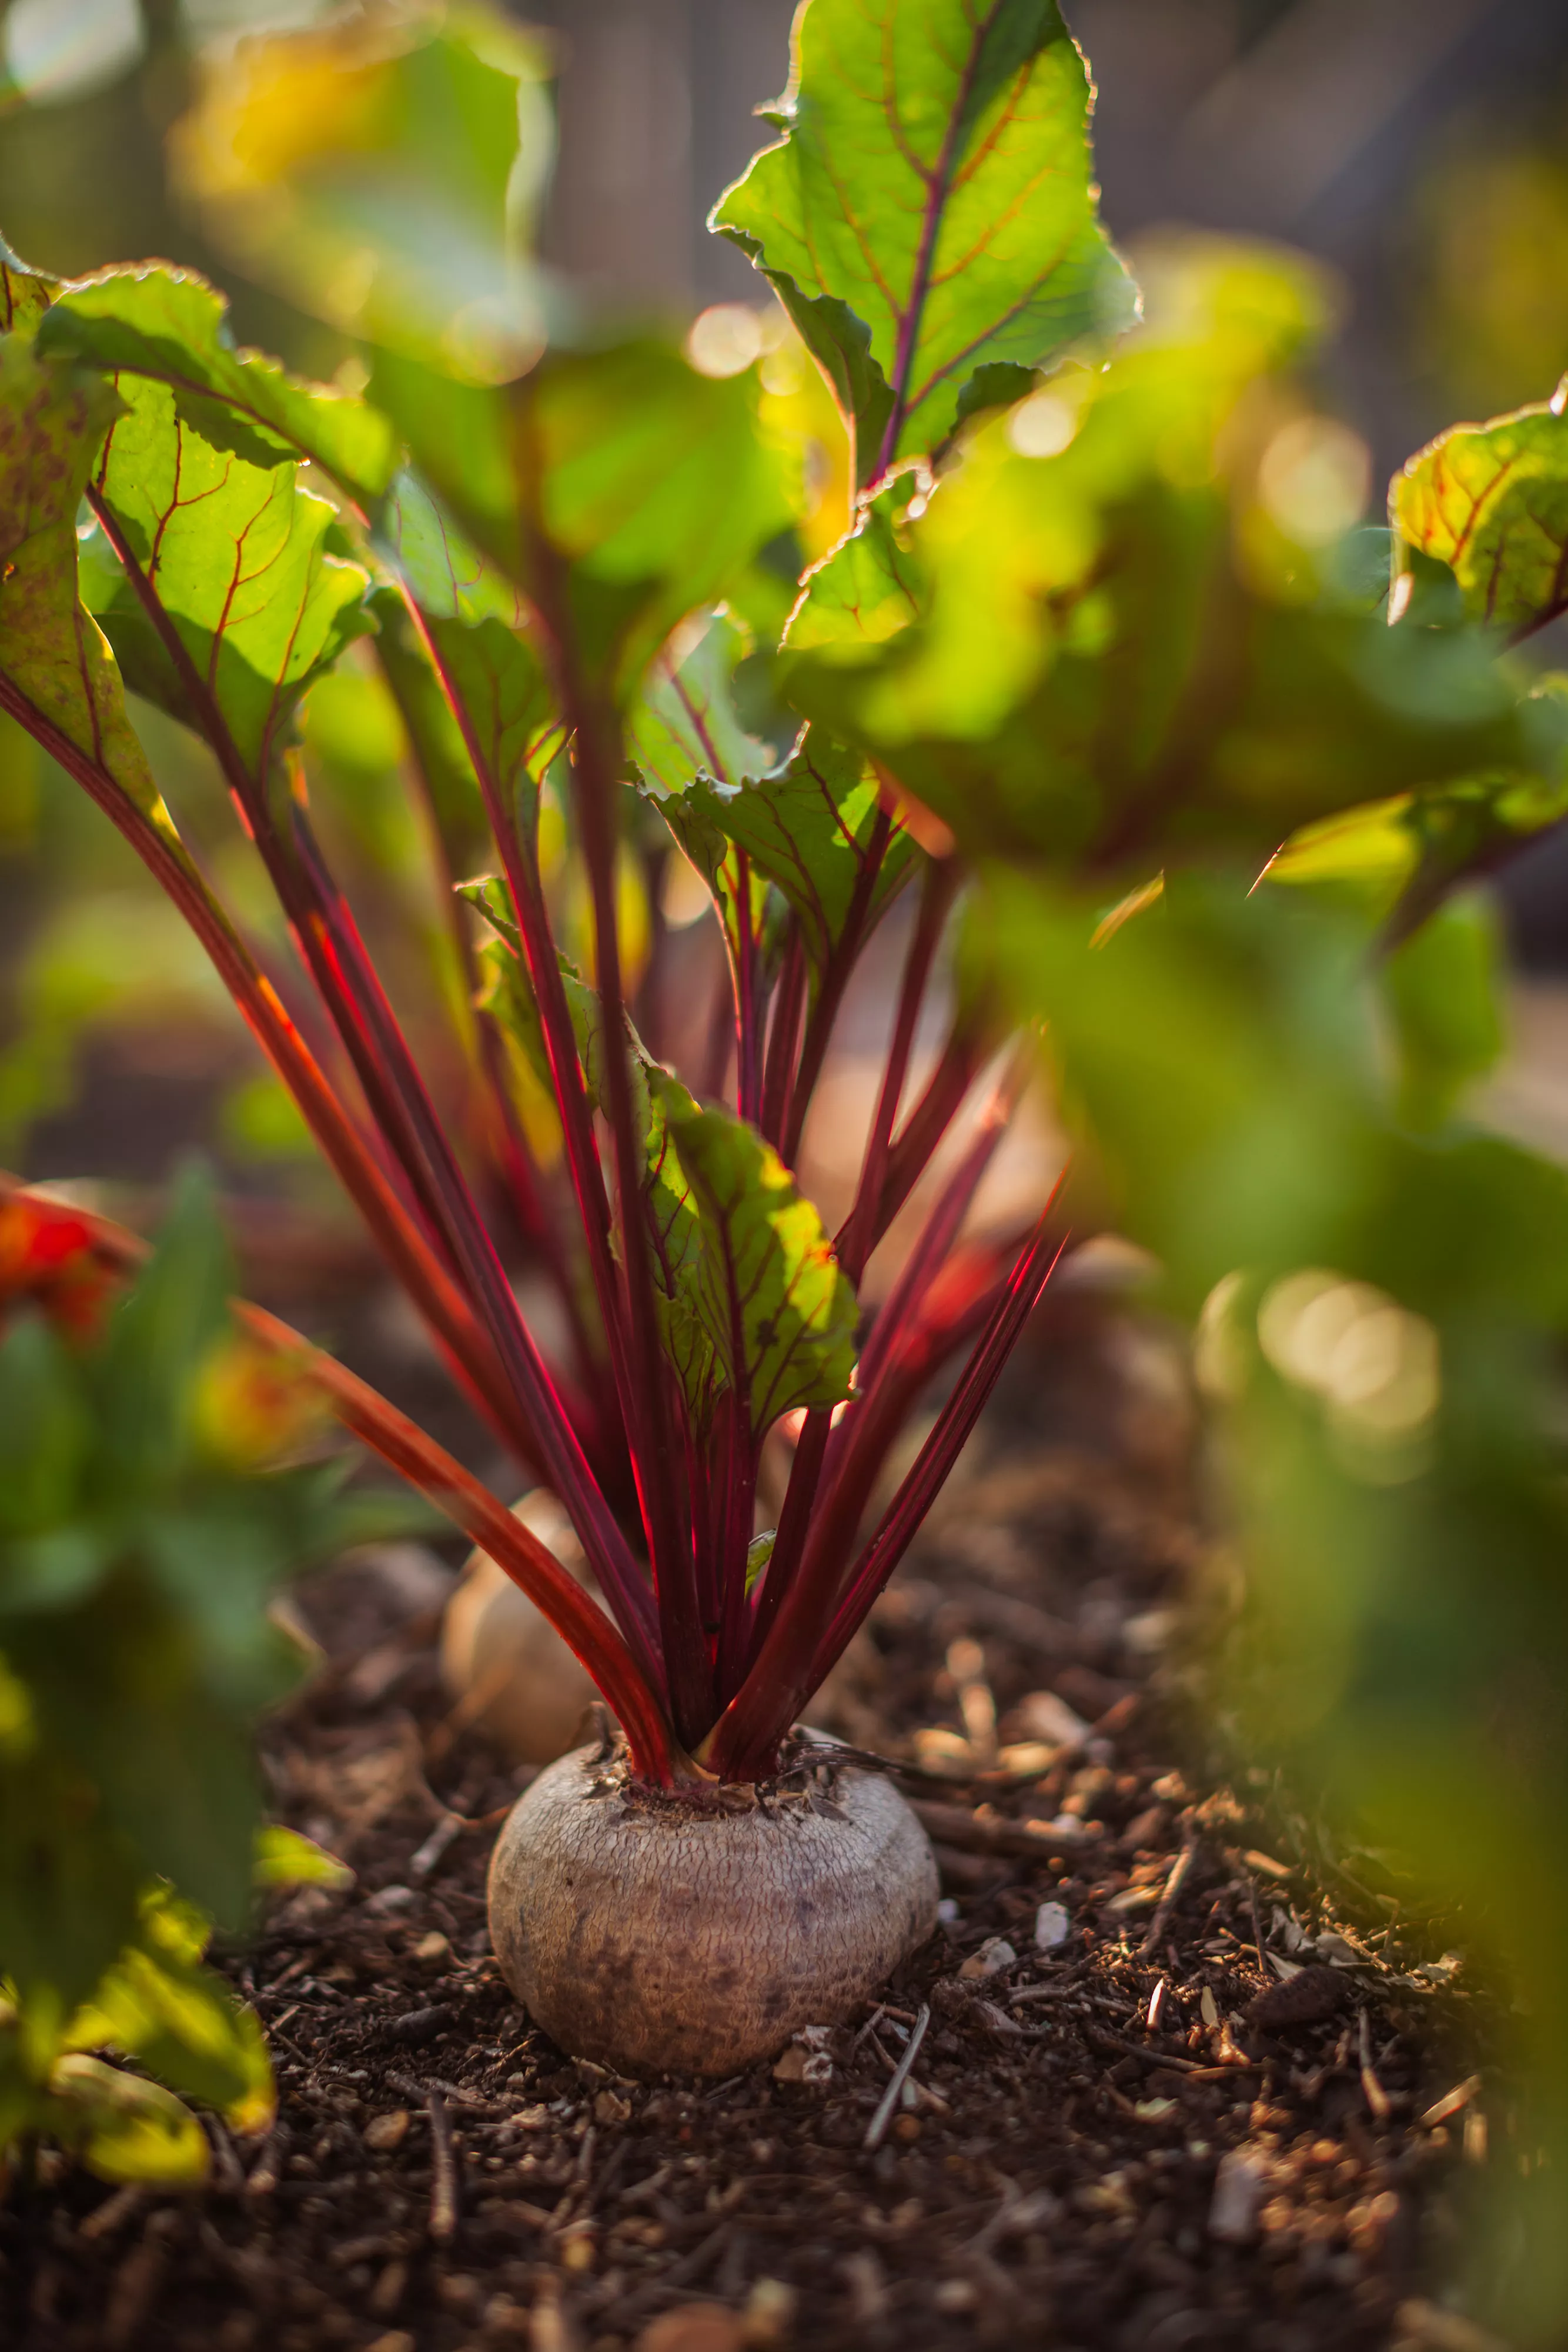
column 144, row 1531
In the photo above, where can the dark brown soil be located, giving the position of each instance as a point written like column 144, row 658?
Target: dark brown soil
column 1252, row 2169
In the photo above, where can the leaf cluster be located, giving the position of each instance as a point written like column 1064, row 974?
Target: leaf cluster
column 141, row 1543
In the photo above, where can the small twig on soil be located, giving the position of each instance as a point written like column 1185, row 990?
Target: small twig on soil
column 266, row 2171
column 1377, row 2096
column 1257, row 1928
column 987, row 1832
column 877, row 2127
column 445, row 1833
column 1437, row 2113
column 1180, row 1870
column 120, row 2206
column 442, row 2170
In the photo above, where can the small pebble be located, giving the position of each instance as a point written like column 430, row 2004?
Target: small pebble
column 396, row 2339
column 390, row 1898
column 993, row 1955
column 769, row 2313
column 383, row 2133
column 1051, row 1927
column 955, row 2296
column 1238, row 2192
column 433, row 1947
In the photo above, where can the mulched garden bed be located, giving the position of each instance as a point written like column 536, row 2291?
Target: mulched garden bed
column 1169, row 2091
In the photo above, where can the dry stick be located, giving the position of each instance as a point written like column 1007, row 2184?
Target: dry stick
column 876, row 2129
column 1180, row 1870
column 442, row 2170
column 1377, row 2096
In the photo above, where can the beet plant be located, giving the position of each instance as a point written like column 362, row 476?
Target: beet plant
column 1067, row 643
column 145, row 1531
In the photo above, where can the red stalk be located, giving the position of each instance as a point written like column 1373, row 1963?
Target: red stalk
column 580, row 1623
column 789, row 997
column 328, row 940
column 915, row 1146
column 953, row 1309
column 560, row 1042
column 835, row 980
column 934, row 1463
column 477, row 1254
column 794, row 1523
column 747, row 1011
column 427, row 1466
column 467, row 1351
column 935, row 1239
column 854, row 1242
column 796, row 1655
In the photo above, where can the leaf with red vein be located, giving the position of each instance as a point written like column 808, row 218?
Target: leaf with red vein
column 808, row 827
column 780, row 1313
column 1491, row 501
column 238, row 557
column 153, row 320
column 930, row 209
column 51, row 422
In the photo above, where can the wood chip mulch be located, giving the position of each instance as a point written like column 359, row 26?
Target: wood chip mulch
column 1169, row 2091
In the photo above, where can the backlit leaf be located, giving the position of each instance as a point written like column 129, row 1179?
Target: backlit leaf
column 684, row 723
column 778, row 1312
column 807, row 828
column 1094, row 668
column 382, row 169
column 477, row 625
column 930, row 208
column 51, row 651
column 1491, row 501
column 285, row 1857
column 171, row 324
column 238, row 557
column 179, row 2020
column 23, row 293
column 124, row 2128
column 618, row 487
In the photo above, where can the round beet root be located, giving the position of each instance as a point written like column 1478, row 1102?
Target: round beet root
column 659, row 1931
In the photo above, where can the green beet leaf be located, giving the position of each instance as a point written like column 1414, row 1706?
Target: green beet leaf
column 930, row 210
column 238, row 557
column 808, row 827
column 1102, row 666
column 684, row 724
column 619, row 488
column 285, row 1857
column 53, row 655
column 1491, row 501
column 1398, row 857
column 779, row 1314
column 170, row 324
column 686, row 743
column 25, row 293
column 382, row 173
column 179, row 2020
column 122, row 2127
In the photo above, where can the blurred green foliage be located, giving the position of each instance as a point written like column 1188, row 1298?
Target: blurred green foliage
column 142, row 1538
